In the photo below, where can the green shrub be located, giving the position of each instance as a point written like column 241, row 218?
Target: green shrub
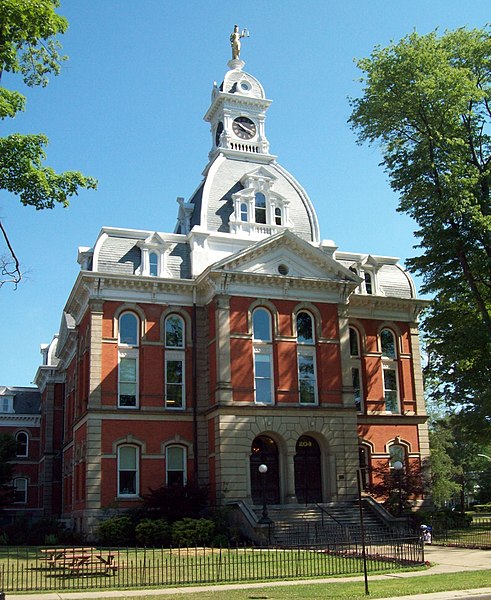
column 192, row 532
column 116, row 531
column 153, row 532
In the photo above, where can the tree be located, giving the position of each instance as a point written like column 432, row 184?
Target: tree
column 8, row 448
column 28, row 46
column 427, row 100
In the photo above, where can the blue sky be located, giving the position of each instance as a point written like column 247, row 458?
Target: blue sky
column 128, row 107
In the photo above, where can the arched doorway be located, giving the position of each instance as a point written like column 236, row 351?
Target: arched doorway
column 265, row 451
column 308, row 479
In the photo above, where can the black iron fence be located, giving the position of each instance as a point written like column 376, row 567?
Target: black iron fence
column 45, row 569
column 476, row 535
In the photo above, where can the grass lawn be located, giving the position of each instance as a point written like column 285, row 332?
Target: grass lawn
column 398, row 586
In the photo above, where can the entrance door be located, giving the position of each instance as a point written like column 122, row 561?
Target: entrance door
column 265, row 487
column 308, row 480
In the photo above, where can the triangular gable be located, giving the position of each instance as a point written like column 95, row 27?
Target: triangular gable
column 301, row 259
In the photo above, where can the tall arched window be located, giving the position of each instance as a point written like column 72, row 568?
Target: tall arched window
column 175, row 397
column 263, row 356
column 128, row 360
column 175, row 465
column 397, row 453
column 128, row 470
column 153, row 264
column 306, row 358
column 278, row 217
column 260, row 208
column 388, row 348
column 22, row 439
column 368, row 283
column 244, row 213
column 354, row 344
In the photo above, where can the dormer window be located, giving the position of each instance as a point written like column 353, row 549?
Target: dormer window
column 278, row 216
column 368, row 283
column 153, row 260
column 153, row 251
column 258, row 209
column 244, row 212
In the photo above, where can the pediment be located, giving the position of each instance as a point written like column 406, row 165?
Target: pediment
column 287, row 255
column 259, row 173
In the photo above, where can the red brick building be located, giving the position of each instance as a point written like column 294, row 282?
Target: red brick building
column 239, row 339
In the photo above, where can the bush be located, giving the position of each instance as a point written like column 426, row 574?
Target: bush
column 192, row 532
column 441, row 520
column 116, row 531
column 153, row 532
column 176, row 502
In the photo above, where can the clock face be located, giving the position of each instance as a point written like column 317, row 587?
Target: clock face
column 244, row 128
column 218, row 133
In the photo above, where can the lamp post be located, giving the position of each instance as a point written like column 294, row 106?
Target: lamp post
column 398, row 466
column 362, row 530
column 263, row 469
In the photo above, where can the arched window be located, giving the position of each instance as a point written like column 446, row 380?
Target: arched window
column 390, row 371
column 278, row 218
column 174, row 332
column 261, row 325
column 153, row 264
column 388, row 344
column 20, row 490
column 175, row 465
column 174, row 362
column 306, row 359
column 263, row 356
column 260, row 208
column 22, row 440
column 397, row 453
column 128, row 360
column 305, row 330
column 128, row 329
column 244, row 213
column 354, row 344
column 128, row 470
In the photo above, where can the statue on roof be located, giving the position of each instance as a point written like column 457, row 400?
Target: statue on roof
column 235, row 38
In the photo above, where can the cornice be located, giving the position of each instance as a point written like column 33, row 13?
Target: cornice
column 372, row 306
column 12, row 420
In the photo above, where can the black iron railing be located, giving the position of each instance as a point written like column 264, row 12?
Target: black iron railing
column 29, row 569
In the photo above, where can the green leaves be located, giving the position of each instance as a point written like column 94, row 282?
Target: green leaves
column 22, row 173
column 427, row 100
column 28, row 46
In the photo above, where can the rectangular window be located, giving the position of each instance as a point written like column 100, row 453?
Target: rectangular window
column 20, row 490
column 174, row 381
column 355, row 375
column 6, row 404
column 127, row 471
column 263, row 378
column 128, row 381
column 306, row 378
column 390, row 390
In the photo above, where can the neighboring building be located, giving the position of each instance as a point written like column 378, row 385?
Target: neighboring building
column 241, row 338
column 20, row 417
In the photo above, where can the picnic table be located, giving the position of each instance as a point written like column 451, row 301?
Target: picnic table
column 79, row 560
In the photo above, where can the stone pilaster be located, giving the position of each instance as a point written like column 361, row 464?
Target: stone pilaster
column 96, row 308
column 224, row 383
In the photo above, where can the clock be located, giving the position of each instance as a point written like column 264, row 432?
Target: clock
column 218, row 133
column 244, row 128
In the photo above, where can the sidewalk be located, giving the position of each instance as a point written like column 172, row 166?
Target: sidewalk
column 446, row 560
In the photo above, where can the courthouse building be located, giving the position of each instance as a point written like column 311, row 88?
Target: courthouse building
column 240, row 338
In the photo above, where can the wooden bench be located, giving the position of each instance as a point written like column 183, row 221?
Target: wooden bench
column 76, row 560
